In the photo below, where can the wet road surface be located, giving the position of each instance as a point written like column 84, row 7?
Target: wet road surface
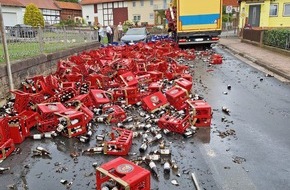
column 255, row 155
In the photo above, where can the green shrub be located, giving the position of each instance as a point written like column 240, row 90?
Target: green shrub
column 276, row 37
column 127, row 24
column 33, row 16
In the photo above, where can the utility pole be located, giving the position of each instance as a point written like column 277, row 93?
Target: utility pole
column 5, row 47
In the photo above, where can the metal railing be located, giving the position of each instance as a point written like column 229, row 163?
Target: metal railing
column 24, row 42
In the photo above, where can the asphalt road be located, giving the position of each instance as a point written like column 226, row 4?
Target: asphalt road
column 254, row 156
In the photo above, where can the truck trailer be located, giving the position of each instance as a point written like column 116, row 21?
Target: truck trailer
column 195, row 22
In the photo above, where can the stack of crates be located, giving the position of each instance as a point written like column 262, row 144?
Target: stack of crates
column 202, row 113
column 176, row 96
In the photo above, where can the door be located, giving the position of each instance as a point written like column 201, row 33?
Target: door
column 120, row 15
column 96, row 21
column 254, row 15
column 10, row 19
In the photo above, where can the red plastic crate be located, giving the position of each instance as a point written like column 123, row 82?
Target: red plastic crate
column 174, row 124
column 72, row 93
column 6, row 148
column 84, row 99
column 119, row 145
column 155, row 87
column 17, row 129
column 216, row 59
column 99, row 97
column 155, row 75
column 47, row 110
column 154, row 101
column 182, row 82
column 115, row 114
column 177, row 96
column 75, row 77
column 48, row 125
column 4, row 131
column 76, row 123
column 144, row 78
column 89, row 115
column 68, row 85
column 128, row 175
column 129, row 79
column 30, row 118
column 187, row 76
column 202, row 113
column 21, row 100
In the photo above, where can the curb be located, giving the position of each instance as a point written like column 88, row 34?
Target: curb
column 258, row 62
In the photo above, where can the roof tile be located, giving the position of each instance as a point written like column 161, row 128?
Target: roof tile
column 68, row 5
column 88, row 2
column 233, row 3
column 41, row 4
column 15, row 3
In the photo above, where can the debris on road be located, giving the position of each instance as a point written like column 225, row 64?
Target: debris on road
column 229, row 132
column 238, row 159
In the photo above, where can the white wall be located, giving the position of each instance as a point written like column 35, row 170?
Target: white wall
column 88, row 13
column 12, row 15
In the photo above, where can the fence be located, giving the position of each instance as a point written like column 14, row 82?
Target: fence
column 24, row 42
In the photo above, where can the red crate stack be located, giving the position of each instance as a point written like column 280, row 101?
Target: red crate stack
column 202, row 114
column 132, row 95
column 176, row 96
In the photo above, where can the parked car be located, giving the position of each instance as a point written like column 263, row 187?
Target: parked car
column 134, row 35
column 23, row 31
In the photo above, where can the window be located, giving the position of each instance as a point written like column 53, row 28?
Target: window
column 151, row 2
column 274, row 10
column 151, row 16
column 142, row 3
column 164, row 4
column 286, row 9
column 95, row 8
column 134, row 3
column 136, row 17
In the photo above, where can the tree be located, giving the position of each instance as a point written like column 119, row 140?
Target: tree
column 33, row 16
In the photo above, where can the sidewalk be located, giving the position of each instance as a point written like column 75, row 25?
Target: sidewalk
column 275, row 62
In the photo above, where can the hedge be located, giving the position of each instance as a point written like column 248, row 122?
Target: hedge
column 278, row 38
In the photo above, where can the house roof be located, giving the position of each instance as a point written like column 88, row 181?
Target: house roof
column 68, row 5
column 41, row 4
column 88, row 2
column 15, row 3
column 233, row 3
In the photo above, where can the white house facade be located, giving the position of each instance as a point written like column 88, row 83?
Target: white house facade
column 105, row 13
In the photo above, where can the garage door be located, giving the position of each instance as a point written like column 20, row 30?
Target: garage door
column 10, row 19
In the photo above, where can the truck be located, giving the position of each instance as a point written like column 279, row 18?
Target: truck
column 195, row 22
